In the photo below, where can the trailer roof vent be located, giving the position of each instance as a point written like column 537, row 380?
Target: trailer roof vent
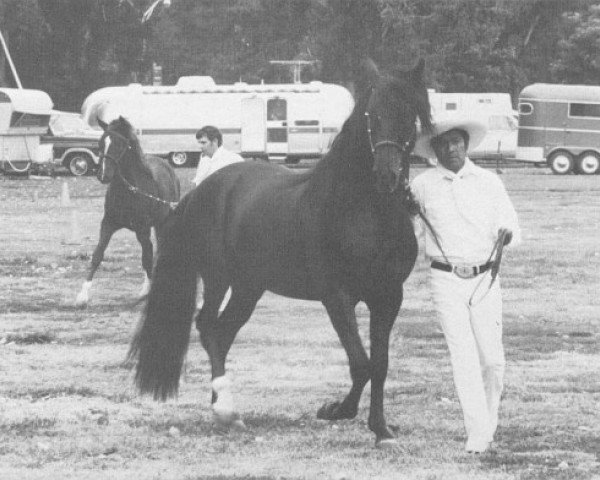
column 196, row 82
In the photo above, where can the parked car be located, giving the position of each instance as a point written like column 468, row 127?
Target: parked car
column 74, row 143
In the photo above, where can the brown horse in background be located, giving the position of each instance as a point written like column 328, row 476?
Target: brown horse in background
column 142, row 191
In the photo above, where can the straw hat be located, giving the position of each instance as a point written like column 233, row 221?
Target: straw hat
column 476, row 128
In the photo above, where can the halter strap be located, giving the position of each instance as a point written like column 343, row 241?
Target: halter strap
column 132, row 188
column 405, row 147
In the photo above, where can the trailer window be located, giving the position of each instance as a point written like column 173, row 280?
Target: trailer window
column 525, row 108
column 451, row 106
column 276, row 109
column 584, row 110
column 25, row 120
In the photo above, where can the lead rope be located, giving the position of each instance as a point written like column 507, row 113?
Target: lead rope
column 495, row 268
column 137, row 191
column 498, row 248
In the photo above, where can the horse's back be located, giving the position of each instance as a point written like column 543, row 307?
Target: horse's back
column 250, row 215
column 167, row 182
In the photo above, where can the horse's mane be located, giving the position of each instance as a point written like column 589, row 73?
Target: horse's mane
column 350, row 138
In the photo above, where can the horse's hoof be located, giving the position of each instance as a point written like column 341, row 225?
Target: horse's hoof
column 333, row 411
column 228, row 419
column 386, row 444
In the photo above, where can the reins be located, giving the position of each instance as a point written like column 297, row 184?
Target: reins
column 132, row 188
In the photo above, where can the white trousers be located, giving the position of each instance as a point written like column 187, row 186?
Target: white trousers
column 474, row 338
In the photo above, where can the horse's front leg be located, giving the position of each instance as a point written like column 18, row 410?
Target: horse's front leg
column 107, row 229
column 143, row 237
column 383, row 314
column 340, row 308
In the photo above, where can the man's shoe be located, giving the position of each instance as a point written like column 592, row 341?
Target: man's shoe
column 477, row 445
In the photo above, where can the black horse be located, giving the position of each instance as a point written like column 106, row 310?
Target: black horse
column 141, row 194
column 339, row 234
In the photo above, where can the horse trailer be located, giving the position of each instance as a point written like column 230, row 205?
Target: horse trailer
column 559, row 125
column 24, row 118
column 275, row 121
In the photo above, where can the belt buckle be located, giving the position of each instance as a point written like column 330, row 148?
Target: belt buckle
column 464, row 271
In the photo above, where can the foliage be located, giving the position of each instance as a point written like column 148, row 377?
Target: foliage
column 72, row 47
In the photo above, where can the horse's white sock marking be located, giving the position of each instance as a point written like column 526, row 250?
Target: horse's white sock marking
column 223, row 408
column 83, row 296
column 145, row 286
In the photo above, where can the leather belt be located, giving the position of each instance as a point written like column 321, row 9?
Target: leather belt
column 462, row 271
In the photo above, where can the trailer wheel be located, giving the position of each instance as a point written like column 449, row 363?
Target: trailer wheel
column 79, row 164
column 179, row 159
column 561, row 162
column 588, row 163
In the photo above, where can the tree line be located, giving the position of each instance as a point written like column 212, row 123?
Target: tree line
column 70, row 48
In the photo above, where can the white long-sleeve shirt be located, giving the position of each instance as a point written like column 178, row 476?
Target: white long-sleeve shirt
column 209, row 165
column 466, row 210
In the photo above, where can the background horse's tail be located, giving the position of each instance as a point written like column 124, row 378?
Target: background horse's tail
column 161, row 339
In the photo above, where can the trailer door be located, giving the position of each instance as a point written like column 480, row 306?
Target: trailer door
column 253, row 139
column 277, row 127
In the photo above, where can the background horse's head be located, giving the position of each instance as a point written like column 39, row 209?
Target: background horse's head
column 118, row 145
column 392, row 105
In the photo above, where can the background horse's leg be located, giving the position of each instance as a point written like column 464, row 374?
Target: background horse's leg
column 143, row 236
column 383, row 314
column 340, row 308
column 107, row 229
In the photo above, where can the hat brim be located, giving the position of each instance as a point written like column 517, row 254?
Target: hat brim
column 475, row 127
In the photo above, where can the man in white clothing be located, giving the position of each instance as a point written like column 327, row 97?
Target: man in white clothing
column 214, row 155
column 468, row 210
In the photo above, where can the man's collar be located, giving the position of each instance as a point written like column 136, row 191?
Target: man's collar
column 467, row 169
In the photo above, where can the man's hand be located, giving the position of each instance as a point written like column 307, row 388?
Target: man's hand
column 508, row 235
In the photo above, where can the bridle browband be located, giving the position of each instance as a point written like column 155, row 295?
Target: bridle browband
column 132, row 188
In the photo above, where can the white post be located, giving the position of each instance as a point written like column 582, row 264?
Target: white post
column 10, row 62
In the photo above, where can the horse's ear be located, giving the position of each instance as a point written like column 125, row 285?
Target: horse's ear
column 416, row 74
column 370, row 71
column 367, row 75
column 102, row 124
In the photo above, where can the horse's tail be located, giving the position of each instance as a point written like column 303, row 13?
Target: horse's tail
column 161, row 339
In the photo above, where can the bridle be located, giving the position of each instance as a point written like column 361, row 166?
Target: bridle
column 404, row 147
column 117, row 160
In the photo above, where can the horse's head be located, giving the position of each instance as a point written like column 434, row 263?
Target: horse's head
column 118, row 140
column 393, row 104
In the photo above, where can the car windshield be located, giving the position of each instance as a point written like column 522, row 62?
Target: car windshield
column 63, row 124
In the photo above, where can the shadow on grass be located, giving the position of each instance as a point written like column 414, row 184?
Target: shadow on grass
column 536, row 452
column 527, row 343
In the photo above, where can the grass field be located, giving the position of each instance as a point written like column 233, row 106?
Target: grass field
column 68, row 409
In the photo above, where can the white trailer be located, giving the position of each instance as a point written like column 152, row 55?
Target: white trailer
column 24, row 117
column 275, row 121
column 495, row 109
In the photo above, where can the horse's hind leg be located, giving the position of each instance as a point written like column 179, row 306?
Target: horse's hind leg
column 340, row 308
column 143, row 236
column 217, row 335
column 107, row 230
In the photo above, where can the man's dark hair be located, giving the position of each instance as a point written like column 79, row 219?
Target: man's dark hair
column 435, row 141
column 211, row 133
